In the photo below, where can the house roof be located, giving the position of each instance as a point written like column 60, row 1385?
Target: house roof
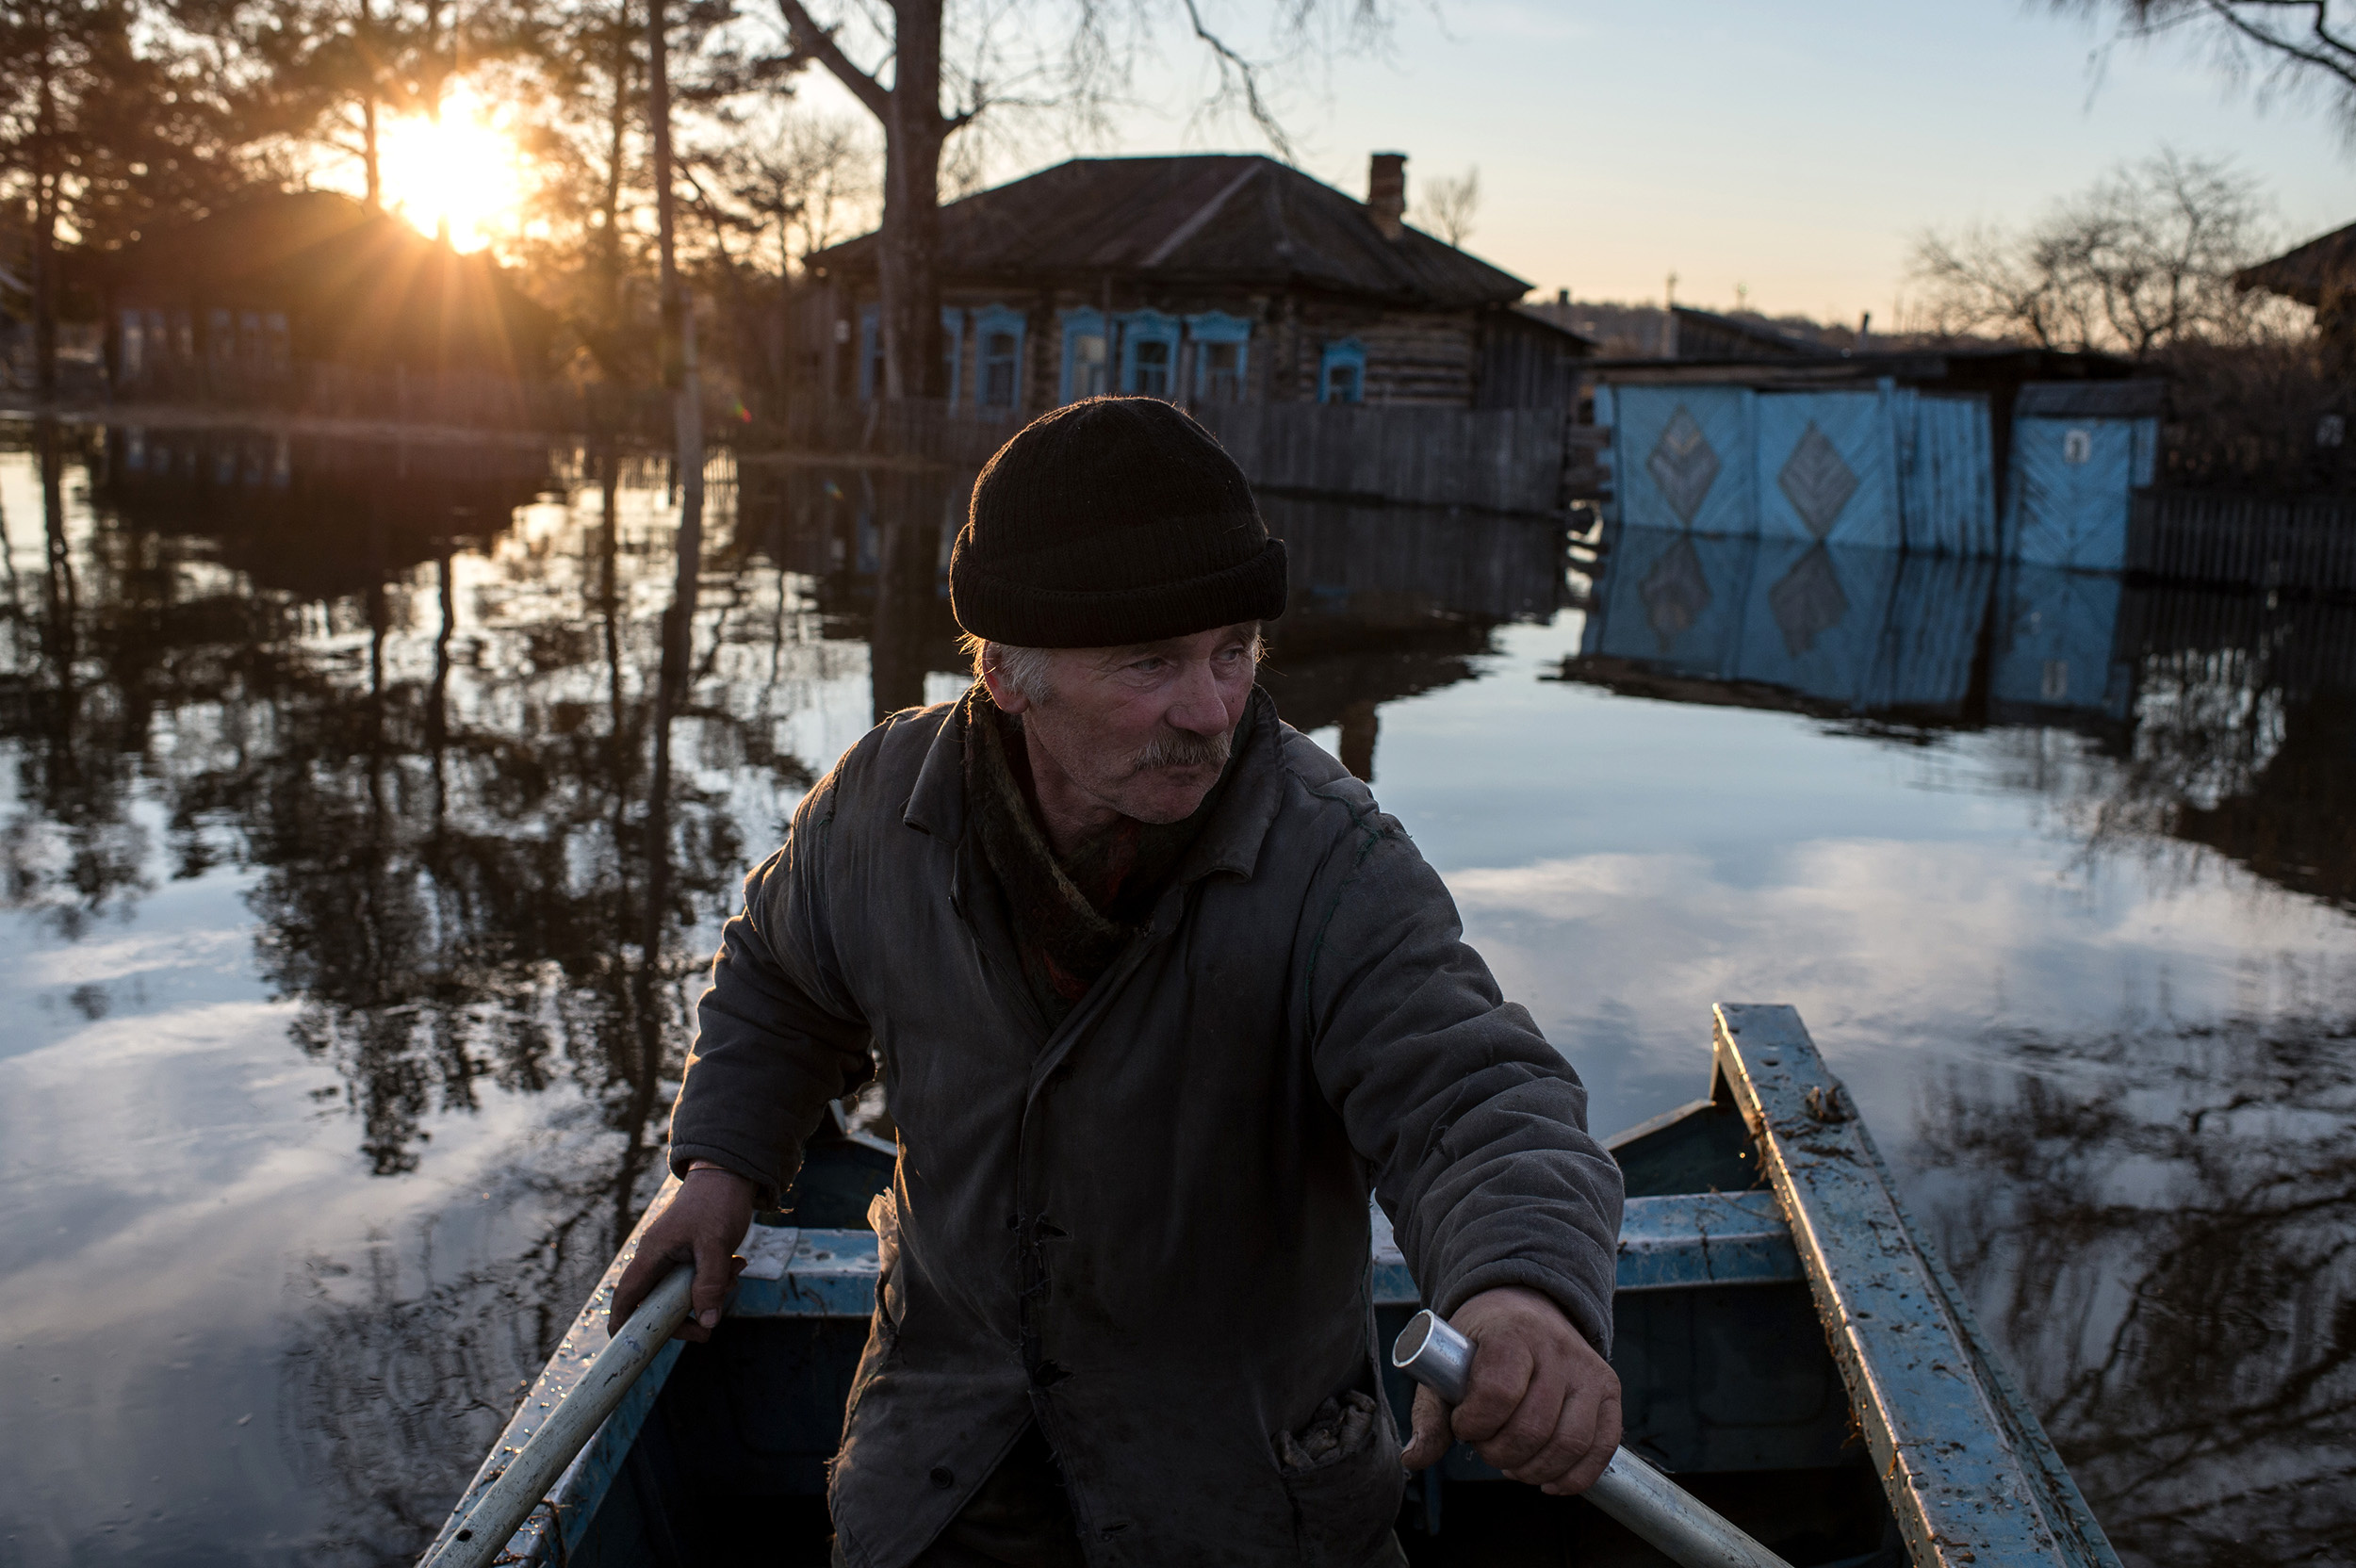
column 1741, row 335
column 372, row 286
column 1542, row 316
column 1194, row 218
column 2326, row 263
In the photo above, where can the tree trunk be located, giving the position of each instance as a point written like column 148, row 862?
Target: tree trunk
column 679, row 369
column 610, row 206
column 914, row 131
column 368, row 136
column 367, row 108
column 910, row 243
column 45, row 258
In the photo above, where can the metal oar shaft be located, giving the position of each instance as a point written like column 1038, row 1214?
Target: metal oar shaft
column 480, row 1534
column 1635, row 1494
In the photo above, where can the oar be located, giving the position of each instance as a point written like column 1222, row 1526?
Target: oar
column 1632, row 1491
column 480, row 1533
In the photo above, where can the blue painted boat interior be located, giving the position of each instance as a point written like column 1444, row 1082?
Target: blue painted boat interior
column 1728, row 1378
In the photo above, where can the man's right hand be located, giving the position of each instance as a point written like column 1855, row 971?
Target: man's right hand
column 701, row 1225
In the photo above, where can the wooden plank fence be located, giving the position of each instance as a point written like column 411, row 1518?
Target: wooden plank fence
column 1487, row 460
column 2186, row 536
column 1490, row 460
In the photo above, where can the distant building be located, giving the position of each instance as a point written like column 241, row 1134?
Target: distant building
column 312, row 300
column 1748, row 339
column 1205, row 280
column 2320, row 274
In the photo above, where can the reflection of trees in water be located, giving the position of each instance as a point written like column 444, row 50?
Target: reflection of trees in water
column 440, row 777
column 405, row 1362
column 2160, row 1228
column 2246, row 735
column 2244, row 743
column 72, row 852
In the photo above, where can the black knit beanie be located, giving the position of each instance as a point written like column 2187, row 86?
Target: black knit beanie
column 1109, row 521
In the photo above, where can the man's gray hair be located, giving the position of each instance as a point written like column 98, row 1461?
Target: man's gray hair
column 1026, row 669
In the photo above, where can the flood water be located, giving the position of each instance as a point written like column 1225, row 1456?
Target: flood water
column 355, row 906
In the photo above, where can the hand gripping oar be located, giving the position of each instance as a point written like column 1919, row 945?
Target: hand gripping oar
column 1632, row 1491
column 480, row 1533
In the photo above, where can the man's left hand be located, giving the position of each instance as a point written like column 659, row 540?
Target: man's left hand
column 1543, row 1407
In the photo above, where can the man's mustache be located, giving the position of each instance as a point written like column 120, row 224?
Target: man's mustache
column 1179, row 749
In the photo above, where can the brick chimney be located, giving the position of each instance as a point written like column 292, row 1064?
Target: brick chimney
column 1386, row 192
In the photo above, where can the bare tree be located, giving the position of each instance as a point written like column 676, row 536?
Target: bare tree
column 934, row 68
column 2286, row 46
column 1450, row 203
column 800, row 176
column 2143, row 261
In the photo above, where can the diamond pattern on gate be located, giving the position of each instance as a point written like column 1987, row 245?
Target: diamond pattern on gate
column 1676, row 591
column 1684, row 464
column 1816, row 481
column 1806, row 601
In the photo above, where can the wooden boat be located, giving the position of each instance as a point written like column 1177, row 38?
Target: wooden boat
column 1790, row 1349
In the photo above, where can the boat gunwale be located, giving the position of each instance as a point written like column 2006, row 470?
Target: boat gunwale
column 1813, row 1143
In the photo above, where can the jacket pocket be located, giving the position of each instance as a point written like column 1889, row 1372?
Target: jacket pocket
column 1343, row 1474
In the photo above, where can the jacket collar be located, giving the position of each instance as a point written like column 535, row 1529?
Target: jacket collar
column 1230, row 841
column 937, row 804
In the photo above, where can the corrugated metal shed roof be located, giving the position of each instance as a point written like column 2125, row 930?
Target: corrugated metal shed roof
column 1204, row 219
column 1735, row 335
column 2303, row 274
column 2092, row 400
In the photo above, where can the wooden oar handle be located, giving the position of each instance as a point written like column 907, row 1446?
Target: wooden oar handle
column 1433, row 1353
column 481, row 1530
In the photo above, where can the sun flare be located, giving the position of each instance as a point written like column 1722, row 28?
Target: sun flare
column 461, row 171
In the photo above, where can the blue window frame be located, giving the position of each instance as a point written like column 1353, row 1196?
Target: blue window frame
column 1223, row 346
column 998, row 334
column 953, row 351
column 870, row 351
column 1085, row 360
column 1149, row 353
column 1342, row 373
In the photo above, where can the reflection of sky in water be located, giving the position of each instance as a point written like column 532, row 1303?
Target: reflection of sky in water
column 1625, row 863
column 228, row 1341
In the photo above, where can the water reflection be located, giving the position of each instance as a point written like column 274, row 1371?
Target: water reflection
column 2154, row 1217
column 431, row 740
column 2157, row 1224
column 2230, row 714
column 411, row 706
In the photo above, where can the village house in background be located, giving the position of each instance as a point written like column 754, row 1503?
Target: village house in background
column 1205, row 280
column 2321, row 275
column 310, row 302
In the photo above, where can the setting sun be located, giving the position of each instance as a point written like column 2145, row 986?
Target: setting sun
column 460, row 171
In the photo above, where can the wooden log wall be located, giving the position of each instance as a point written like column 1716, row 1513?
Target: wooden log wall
column 2307, row 544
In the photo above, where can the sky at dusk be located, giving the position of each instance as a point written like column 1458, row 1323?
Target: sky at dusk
column 1795, row 149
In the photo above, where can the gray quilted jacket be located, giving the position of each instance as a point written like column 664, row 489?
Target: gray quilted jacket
column 1147, row 1229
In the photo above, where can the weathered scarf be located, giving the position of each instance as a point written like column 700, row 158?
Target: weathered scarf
column 1071, row 917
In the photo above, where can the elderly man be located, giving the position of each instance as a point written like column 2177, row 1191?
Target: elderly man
column 1158, row 996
